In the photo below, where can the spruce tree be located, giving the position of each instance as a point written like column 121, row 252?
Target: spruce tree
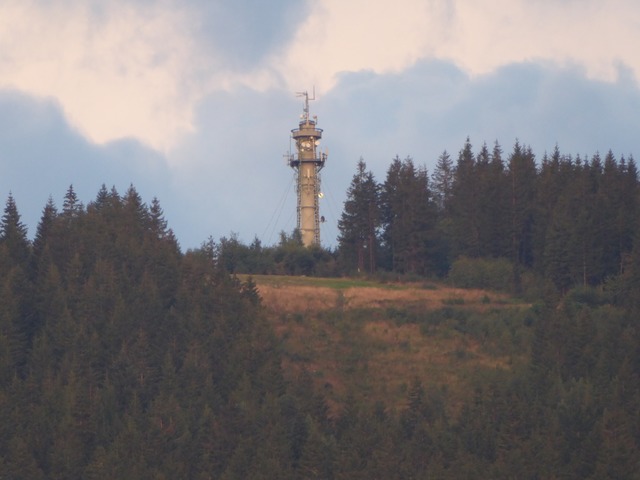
column 465, row 205
column 359, row 223
column 391, row 205
column 554, row 177
column 13, row 235
column 408, row 217
column 442, row 183
column 522, row 175
column 492, row 203
column 71, row 207
column 45, row 229
column 158, row 223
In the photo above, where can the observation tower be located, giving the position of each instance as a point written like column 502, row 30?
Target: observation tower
column 307, row 162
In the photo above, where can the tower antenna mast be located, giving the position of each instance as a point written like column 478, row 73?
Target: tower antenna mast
column 307, row 162
column 305, row 94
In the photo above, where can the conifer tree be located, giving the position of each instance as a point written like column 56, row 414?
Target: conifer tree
column 609, row 202
column 628, row 209
column 558, row 257
column 442, row 183
column 45, row 226
column 422, row 214
column 13, row 334
column 135, row 216
column 498, row 211
column 465, row 205
column 71, row 207
column 492, row 203
column 158, row 223
column 102, row 198
column 359, row 223
column 408, row 217
column 390, row 196
column 553, row 178
column 583, row 223
column 13, row 235
column 41, row 253
column 522, row 176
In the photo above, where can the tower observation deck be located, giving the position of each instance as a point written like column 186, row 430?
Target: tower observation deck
column 307, row 162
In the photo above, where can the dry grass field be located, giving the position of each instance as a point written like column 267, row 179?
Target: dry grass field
column 308, row 298
column 369, row 340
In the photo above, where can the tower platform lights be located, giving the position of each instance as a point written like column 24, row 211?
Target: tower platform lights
column 307, row 162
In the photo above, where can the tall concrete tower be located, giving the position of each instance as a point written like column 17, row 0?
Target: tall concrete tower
column 307, row 163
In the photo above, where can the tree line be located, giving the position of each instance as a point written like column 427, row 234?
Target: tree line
column 569, row 221
column 557, row 223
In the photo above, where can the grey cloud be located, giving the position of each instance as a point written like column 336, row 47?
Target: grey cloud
column 41, row 155
column 244, row 31
column 435, row 106
column 241, row 32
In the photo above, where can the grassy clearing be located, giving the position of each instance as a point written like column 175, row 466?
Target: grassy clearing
column 371, row 340
column 281, row 281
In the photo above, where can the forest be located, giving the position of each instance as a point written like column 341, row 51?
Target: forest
column 123, row 357
column 558, row 223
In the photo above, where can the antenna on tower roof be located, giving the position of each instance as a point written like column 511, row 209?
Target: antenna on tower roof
column 305, row 94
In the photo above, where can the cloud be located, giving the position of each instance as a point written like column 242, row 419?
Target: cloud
column 478, row 37
column 139, row 68
column 435, row 105
column 244, row 32
column 136, row 69
column 596, row 35
column 42, row 155
column 119, row 72
column 340, row 36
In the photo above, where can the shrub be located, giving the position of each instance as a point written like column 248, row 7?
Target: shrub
column 589, row 296
column 493, row 274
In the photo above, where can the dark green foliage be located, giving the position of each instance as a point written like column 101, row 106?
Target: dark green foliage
column 566, row 222
column 442, row 182
column 408, row 218
column 465, row 204
column 289, row 257
column 521, row 174
column 359, row 224
column 122, row 357
column 13, row 236
column 492, row 274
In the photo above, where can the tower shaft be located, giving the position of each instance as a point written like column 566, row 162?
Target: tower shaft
column 308, row 208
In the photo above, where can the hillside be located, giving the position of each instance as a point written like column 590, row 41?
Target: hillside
column 122, row 357
column 371, row 340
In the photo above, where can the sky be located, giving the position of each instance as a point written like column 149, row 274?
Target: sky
column 193, row 101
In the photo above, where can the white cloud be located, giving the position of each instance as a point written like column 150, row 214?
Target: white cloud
column 478, row 36
column 140, row 68
column 341, row 36
column 126, row 72
column 599, row 36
